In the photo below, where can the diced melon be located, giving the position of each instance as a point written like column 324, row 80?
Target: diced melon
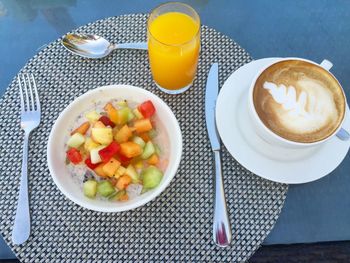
column 123, row 115
column 95, row 156
column 122, row 103
column 82, row 129
column 130, row 170
column 153, row 160
column 112, row 112
column 105, row 188
column 111, row 167
column 148, row 150
column 90, row 144
column 143, row 125
column 151, row 177
column 120, row 171
column 130, row 149
column 123, row 182
column 102, row 135
column 99, row 170
column 76, row 140
column 123, row 135
column 90, row 188
column 137, row 114
column 139, row 141
column 92, row 116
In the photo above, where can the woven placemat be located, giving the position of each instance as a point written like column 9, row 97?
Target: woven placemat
column 176, row 226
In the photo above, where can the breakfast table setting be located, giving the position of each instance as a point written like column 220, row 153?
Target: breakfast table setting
column 228, row 137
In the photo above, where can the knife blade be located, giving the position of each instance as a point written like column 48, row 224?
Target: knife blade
column 211, row 93
column 221, row 224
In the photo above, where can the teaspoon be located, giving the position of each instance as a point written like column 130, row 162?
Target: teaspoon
column 93, row 46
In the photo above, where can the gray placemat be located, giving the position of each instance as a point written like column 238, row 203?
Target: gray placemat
column 174, row 227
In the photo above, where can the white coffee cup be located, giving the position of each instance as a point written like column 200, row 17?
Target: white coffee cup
column 268, row 135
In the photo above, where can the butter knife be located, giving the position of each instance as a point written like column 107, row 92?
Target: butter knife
column 221, row 224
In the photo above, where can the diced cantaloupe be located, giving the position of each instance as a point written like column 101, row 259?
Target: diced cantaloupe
column 120, row 171
column 153, row 160
column 99, row 170
column 123, row 182
column 143, row 125
column 112, row 112
column 82, row 129
column 130, row 149
column 123, row 135
column 111, row 167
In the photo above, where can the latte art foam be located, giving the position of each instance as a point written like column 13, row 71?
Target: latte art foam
column 312, row 110
column 299, row 101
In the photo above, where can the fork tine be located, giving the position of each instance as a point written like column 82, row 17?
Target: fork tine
column 36, row 93
column 30, row 92
column 26, row 92
column 20, row 93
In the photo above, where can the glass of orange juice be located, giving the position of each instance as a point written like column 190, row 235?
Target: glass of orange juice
column 173, row 46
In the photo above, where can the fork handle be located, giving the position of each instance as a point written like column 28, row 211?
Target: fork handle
column 21, row 228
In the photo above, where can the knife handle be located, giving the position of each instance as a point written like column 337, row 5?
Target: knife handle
column 221, row 226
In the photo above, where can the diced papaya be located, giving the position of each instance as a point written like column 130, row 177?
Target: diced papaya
column 130, row 149
column 82, row 129
column 143, row 125
column 121, row 171
column 123, row 135
column 112, row 112
column 111, row 167
column 153, row 160
column 123, row 182
column 145, row 136
column 99, row 170
column 99, row 124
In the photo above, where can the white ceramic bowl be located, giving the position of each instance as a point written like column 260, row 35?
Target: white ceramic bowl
column 56, row 152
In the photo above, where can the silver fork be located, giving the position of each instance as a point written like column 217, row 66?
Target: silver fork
column 30, row 119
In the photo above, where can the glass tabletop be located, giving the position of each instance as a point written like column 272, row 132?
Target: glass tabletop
column 313, row 212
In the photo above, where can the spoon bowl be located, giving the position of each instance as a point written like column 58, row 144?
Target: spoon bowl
column 95, row 47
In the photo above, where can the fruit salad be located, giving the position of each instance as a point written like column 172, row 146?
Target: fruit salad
column 116, row 148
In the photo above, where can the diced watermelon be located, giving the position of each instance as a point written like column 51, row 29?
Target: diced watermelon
column 147, row 109
column 107, row 153
column 74, row 156
column 90, row 164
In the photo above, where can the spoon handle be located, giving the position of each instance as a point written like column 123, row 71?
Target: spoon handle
column 135, row 45
column 221, row 224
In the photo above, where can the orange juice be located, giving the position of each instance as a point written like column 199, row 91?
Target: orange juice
column 173, row 47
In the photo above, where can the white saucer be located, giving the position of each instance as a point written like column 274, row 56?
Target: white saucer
column 291, row 166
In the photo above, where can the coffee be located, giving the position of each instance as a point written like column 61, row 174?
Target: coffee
column 299, row 101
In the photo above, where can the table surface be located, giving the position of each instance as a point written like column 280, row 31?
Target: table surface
column 313, row 212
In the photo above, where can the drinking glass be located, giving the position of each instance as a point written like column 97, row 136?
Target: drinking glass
column 173, row 31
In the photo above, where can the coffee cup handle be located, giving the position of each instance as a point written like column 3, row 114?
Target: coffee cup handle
column 326, row 64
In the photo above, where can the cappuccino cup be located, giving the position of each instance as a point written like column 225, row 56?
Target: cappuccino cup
column 296, row 103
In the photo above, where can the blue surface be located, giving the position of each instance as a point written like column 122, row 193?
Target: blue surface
column 317, row 211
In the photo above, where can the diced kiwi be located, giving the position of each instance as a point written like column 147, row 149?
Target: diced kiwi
column 130, row 170
column 76, row 140
column 139, row 141
column 90, row 188
column 152, row 176
column 105, row 188
column 148, row 150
